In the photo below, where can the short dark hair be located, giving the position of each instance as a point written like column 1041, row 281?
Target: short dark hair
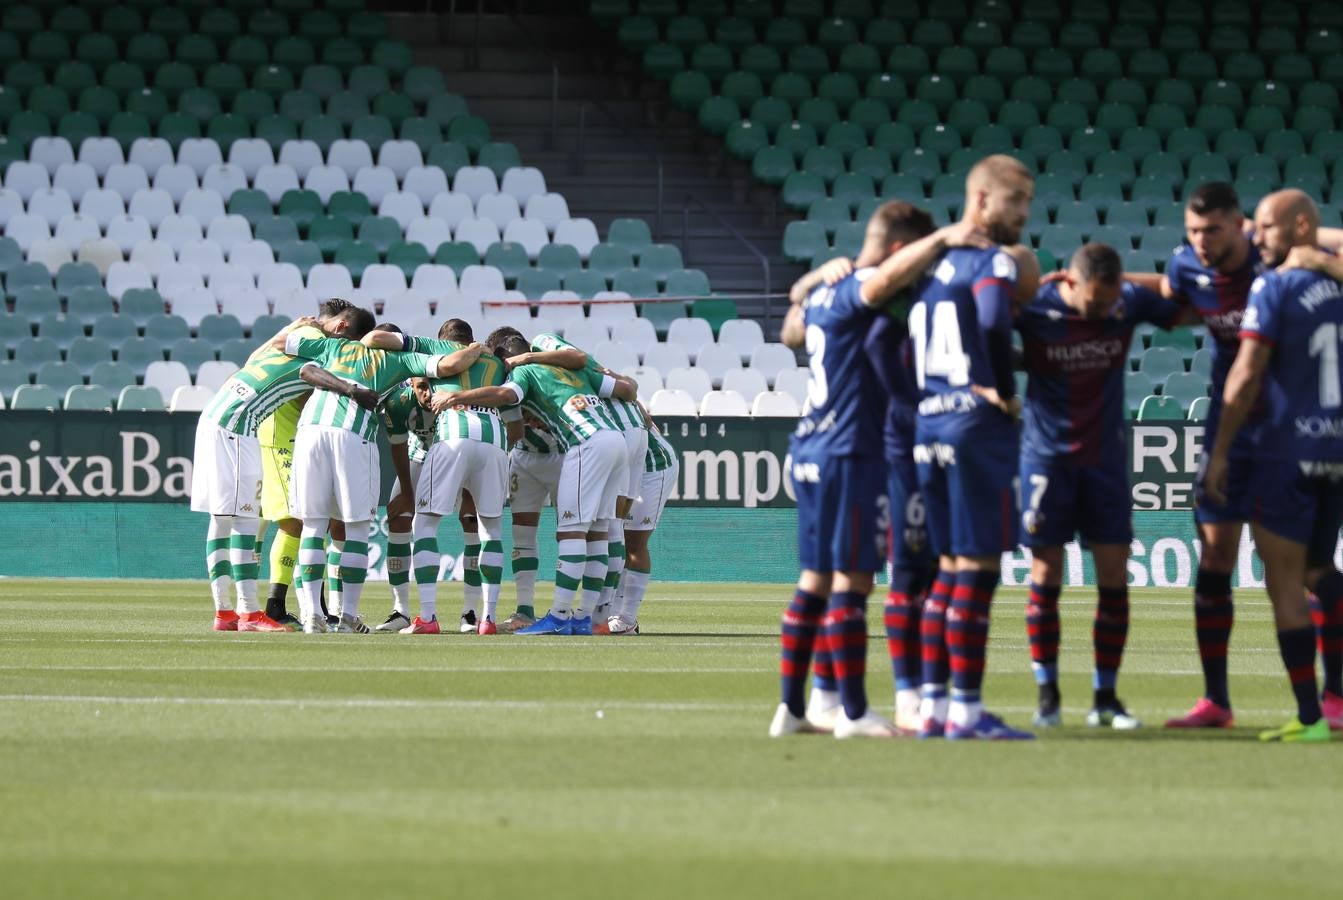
column 358, row 322
column 498, row 335
column 1215, row 196
column 901, row 221
column 512, row 345
column 1098, row 262
column 332, row 307
column 456, row 330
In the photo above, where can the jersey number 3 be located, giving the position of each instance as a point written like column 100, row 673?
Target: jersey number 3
column 940, row 353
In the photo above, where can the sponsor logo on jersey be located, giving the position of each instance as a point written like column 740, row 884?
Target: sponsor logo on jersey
column 1318, row 427
column 942, row 454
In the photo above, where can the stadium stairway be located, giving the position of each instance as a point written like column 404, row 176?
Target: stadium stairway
column 581, row 109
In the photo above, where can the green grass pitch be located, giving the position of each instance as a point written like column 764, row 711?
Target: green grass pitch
column 146, row 756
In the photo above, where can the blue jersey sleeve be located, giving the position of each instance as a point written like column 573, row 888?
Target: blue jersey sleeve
column 993, row 289
column 882, row 346
column 848, row 302
column 1149, row 306
column 1263, row 314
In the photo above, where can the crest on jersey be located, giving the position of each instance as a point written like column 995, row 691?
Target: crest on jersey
column 1031, row 520
column 1203, row 280
column 1250, row 318
column 945, row 272
column 1004, row 266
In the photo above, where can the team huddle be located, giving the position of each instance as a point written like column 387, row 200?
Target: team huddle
column 914, row 450
column 292, row 438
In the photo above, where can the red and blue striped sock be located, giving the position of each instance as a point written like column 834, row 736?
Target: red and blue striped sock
column 844, row 634
column 968, row 632
column 904, row 608
column 933, row 638
column 1327, row 610
column 801, row 622
column 1109, row 634
column 1042, row 631
column 1214, row 613
column 1297, row 646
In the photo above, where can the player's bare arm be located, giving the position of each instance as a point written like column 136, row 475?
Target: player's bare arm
column 277, row 342
column 497, row 396
column 829, row 272
column 318, row 377
column 904, row 266
column 793, row 333
column 403, row 504
column 459, row 361
column 1330, row 239
column 1314, row 259
column 1238, row 397
column 565, row 358
column 1028, row 274
column 625, row 388
column 384, row 340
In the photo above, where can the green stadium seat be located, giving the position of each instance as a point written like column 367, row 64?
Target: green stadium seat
column 661, row 315
column 112, row 375
column 825, row 162
column 470, row 131
column 449, row 157
column 803, row 240
column 660, row 260
column 509, row 258
column 908, row 62
column 378, row 232
column 829, row 213
column 499, row 157
column 734, row 32
column 773, row 165
column 801, row 189
column 1160, row 409
column 36, row 397
column 535, row 282
column 745, row 139
column 585, row 284
column 407, row 257
column 716, row 61
column 559, row 258
column 607, row 259
column 636, row 283
column 818, row 113
column 1245, row 68
column 457, row 255
column 874, row 162
column 689, row 89
column 1082, row 91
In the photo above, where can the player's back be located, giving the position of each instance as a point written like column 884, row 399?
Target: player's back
column 624, row 413
column 967, row 295
column 1301, row 313
column 844, row 410
column 258, row 390
column 566, row 401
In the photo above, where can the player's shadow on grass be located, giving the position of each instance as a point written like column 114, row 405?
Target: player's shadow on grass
column 1157, row 734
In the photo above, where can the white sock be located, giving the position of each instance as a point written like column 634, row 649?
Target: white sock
column 964, row 714
column 354, row 566
column 426, row 560
column 401, row 590
column 633, row 587
column 907, row 701
column 244, row 561
column 525, row 564
column 217, row 565
column 491, row 563
column 568, row 574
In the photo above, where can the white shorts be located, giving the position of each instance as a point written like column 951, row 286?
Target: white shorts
column 225, row 472
column 336, row 475
column 654, row 492
column 534, row 479
column 415, row 466
column 594, row 475
column 636, row 446
column 463, row 464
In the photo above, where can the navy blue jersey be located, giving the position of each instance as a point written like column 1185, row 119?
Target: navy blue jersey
column 968, row 294
column 1301, row 314
column 1219, row 298
column 842, row 415
column 892, row 358
column 1075, row 392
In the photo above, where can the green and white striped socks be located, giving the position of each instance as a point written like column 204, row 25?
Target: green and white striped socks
column 568, row 574
column 471, row 591
column 615, row 536
column 594, row 573
column 217, row 562
column 491, row 564
column 243, row 560
column 354, row 565
column 426, row 561
column 311, row 562
column 398, row 570
column 525, row 565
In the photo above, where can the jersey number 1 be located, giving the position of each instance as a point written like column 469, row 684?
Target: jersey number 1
column 1324, row 344
column 940, row 354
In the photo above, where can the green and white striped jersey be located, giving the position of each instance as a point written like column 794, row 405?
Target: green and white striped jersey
column 380, row 371
column 407, row 421
column 267, row 382
column 477, row 423
column 568, row 402
column 660, row 456
column 626, row 413
column 537, row 440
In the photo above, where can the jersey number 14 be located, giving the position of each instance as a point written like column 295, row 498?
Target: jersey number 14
column 940, row 353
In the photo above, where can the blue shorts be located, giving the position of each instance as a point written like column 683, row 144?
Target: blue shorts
column 909, row 547
column 1060, row 500
column 967, row 463
column 1240, row 475
column 842, row 516
column 1304, row 509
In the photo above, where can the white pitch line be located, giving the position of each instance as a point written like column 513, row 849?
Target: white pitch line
column 761, row 708
column 584, row 670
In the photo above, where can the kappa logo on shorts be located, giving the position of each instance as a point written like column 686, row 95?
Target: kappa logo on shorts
column 423, row 504
column 247, row 507
column 568, row 515
column 647, row 521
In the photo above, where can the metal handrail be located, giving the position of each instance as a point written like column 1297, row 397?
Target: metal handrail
column 692, row 200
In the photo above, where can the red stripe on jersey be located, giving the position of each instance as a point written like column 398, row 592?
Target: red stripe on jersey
column 1256, row 336
column 988, row 282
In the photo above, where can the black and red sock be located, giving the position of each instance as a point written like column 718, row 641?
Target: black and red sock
column 1109, row 634
column 1297, row 646
column 801, row 623
column 968, row 632
column 1214, row 613
column 844, row 632
column 1042, row 631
